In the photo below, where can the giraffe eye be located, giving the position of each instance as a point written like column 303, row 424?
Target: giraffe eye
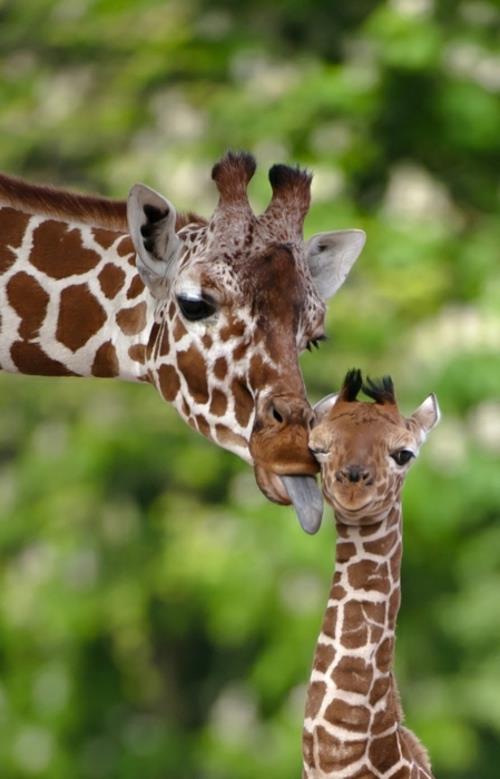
column 402, row 456
column 195, row 309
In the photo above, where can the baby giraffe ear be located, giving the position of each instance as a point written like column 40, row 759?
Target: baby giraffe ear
column 322, row 407
column 331, row 257
column 151, row 221
column 428, row 414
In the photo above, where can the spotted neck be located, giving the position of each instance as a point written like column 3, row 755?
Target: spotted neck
column 72, row 303
column 353, row 719
column 71, row 300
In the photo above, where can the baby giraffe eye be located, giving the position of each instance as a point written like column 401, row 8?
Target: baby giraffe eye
column 195, row 309
column 402, row 456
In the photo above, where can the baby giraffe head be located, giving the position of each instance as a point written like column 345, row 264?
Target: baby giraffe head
column 366, row 448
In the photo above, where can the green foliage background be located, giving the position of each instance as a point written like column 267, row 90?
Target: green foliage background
column 158, row 616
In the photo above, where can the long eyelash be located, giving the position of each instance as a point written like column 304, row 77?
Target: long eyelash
column 315, row 342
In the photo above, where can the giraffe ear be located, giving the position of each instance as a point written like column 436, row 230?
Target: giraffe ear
column 428, row 414
column 323, row 406
column 331, row 257
column 151, row 221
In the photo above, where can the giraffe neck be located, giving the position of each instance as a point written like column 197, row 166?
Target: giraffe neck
column 352, row 711
column 71, row 300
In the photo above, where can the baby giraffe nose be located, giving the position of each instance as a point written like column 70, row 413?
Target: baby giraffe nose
column 355, row 473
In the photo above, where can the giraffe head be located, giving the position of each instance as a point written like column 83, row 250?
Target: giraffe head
column 366, row 448
column 236, row 300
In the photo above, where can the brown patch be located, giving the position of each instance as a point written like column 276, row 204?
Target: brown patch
column 379, row 689
column 207, row 341
column 337, row 592
column 104, row 238
column 126, row 247
column 227, row 438
column 111, row 280
column 402, row 773
column 354, row 718
column 394, row 603
column 375, row 612
column 172, row 310
column 169, row 383
column 395, row 564
column 220, row 368
column 218, row 403
column 381, row 546
column 260, row 372
column 12, row 228
column 132, row 320
column 352, row 673
column 30, row 359
column 179, row 330
column 58, row 251
column 29, row 300
column 239, row 352
column 334, row 755
column 202, row 425
column 368, row 575
column 345, row 552
column 324, row 657
column 80, row 316
column 315, row 696
column 384, row 752
column 383, row 720
column 376, row 633
column 185, row 408
column 383, row 656
column 136, row 287
column 243, row 403
column 137, row 353
column 235, row 328
column 363, row 773
column 308, row 748
column 105, row 362
column 192, row 366
column 330, row 621
column 355, row 632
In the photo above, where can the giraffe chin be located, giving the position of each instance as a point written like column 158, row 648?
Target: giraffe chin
column 302, row 491
column 361, row 515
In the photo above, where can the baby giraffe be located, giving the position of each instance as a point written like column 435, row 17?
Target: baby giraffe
column 353, row 721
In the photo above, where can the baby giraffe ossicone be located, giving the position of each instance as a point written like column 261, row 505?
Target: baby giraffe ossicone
column 353, row 721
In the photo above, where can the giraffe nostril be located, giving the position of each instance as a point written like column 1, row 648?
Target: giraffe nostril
column 356, row 473
column 276, row 415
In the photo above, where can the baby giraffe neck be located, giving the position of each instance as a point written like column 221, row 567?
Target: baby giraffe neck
column 352, row 727
column 352, row 711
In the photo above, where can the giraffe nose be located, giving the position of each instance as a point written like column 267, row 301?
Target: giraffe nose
column 285, row 410
column 354, row 473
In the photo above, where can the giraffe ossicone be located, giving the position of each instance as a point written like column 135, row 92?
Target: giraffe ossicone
column 353, row 721
column 213, row 313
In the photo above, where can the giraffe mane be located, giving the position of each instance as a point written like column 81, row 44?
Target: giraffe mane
column 62, row 204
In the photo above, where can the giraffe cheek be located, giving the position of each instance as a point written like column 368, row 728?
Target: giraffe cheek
column 192, row 366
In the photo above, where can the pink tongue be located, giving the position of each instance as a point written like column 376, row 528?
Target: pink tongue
column 307, row 501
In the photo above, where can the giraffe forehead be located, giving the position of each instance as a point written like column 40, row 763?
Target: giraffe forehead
column 367, row 429
column 260, row 273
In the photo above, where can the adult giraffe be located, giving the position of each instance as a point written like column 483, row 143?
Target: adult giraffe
column 213, row 314
column 353, row 725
